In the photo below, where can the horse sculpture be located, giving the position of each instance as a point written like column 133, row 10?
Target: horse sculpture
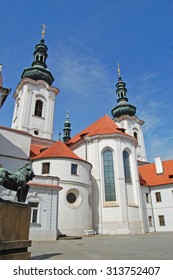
column 17, row 181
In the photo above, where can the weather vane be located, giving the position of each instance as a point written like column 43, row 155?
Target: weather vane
column 119, row 75
column 43, row 30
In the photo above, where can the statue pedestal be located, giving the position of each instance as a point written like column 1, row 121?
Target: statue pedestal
column 14, row 231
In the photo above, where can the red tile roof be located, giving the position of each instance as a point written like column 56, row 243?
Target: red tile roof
column 149, row 177
column 58, row 149
column 36, row 150
column 34, row 184
column 103, row 126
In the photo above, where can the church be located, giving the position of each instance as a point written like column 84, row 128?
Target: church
column 97, row 180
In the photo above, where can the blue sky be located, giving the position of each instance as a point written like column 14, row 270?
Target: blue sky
column 86, row 39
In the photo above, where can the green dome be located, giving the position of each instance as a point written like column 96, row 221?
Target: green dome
column 38, row 69
column 123, row 107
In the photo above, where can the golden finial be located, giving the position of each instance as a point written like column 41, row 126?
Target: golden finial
column 43, row 30
column 119, row 74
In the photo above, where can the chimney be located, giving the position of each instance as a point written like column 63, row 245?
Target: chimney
column 158, row 165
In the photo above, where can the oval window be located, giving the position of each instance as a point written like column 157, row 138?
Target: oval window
column 71, row 198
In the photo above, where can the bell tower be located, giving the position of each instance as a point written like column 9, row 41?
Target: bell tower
column 124, row 115
column 35, row 96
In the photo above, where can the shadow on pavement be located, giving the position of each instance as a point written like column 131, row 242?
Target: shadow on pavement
column 44, row 256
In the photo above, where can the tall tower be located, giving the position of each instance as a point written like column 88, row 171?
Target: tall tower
column 67, row 129
column 35, row 97
column 124, row 115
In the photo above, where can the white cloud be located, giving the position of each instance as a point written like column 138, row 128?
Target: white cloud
column 79, row 72
column 153, row 107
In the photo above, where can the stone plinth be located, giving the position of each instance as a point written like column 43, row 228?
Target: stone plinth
column 14, row 230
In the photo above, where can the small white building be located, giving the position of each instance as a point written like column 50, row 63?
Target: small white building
column 75, row 179
column 157, row 194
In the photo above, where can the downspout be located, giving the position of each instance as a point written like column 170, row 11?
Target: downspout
column 152, row 210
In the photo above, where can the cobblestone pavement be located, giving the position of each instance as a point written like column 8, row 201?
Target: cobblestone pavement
column 158, row 246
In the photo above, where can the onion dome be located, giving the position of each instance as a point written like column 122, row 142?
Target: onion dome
column 38, row 69
column 123, row 107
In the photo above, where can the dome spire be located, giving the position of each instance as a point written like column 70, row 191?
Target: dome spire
column 119, row 72
column 123, row 107
column 38, row 69
column 67, row 129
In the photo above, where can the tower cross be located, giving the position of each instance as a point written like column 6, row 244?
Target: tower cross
column 119, row 72
column 43, row 30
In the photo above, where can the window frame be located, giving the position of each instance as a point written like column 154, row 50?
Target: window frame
column 34, row 209
column 158, row 196
column 161, row 220
column 150, row 221
column 38, row 111
column 109, row 181
column 45, row 167
column 74, row 169
column 127, row 167
column 147, row 197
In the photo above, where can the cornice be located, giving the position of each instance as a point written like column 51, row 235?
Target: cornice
column 35, row 83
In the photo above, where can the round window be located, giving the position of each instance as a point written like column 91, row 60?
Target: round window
column 71, row 198
column 36, row 132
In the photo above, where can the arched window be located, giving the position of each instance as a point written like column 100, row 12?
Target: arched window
column 135, row 136
column 38, row 108
column 109, row 180
column 127, row 171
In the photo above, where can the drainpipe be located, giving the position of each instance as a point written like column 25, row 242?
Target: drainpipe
column 152, row 210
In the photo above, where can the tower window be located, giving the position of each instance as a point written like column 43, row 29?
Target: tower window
column 38, row 108
column 36, row 132
column 127, row 171
column 135, row 136
column 109, row 181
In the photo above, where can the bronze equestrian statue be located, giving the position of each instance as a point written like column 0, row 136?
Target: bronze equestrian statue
column 17, row 181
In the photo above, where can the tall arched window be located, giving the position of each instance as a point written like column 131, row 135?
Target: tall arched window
column 109, row 180
column 135, row 136
column 127, row 170
column 38, row 108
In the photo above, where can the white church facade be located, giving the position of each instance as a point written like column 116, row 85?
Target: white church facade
column 98, row 179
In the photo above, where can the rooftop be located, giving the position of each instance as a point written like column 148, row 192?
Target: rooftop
column 103, row 126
